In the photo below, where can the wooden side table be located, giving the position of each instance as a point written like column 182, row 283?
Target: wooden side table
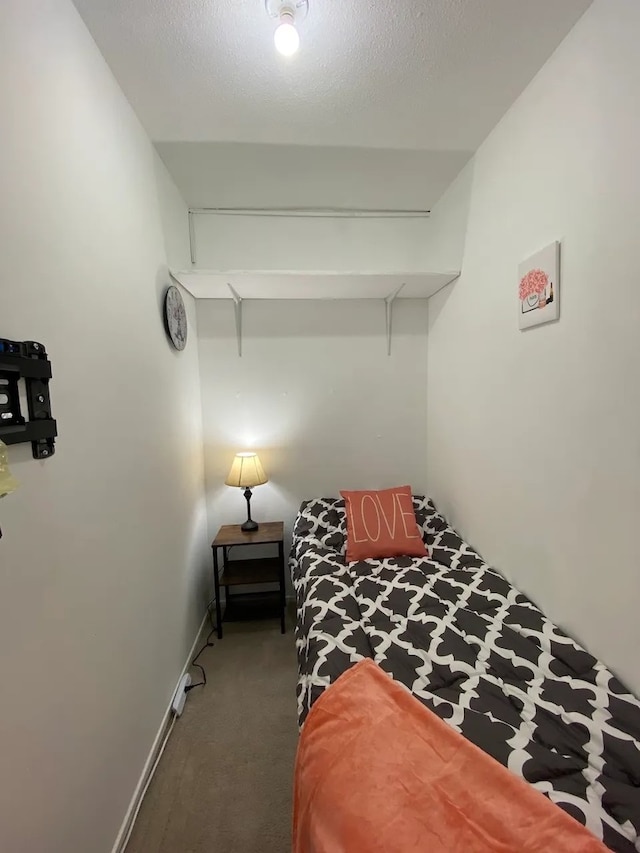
column 258, row 570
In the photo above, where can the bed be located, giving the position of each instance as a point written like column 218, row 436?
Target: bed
column 476, row 652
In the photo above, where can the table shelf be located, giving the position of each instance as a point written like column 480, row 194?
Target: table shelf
column 248, row 606
column 241, row 572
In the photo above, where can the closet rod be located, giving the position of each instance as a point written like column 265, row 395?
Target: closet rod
column 333, row 212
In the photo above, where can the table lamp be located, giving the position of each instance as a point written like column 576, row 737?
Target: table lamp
column 247, row 472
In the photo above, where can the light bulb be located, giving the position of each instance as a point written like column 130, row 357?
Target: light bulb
column 286, row 38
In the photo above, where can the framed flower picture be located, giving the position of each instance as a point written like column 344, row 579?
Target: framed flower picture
column 539, row 287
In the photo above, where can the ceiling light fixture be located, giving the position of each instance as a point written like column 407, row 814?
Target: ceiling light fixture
column 286, row 37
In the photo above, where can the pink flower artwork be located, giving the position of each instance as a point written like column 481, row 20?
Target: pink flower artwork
column 534, row 282
column 539, row 287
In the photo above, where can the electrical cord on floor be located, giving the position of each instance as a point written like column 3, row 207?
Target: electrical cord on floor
column 194, row 663
column 208, row 644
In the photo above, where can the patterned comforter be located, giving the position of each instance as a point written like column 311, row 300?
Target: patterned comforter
column 480, row 655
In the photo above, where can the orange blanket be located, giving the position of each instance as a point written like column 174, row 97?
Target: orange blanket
column 377, row 772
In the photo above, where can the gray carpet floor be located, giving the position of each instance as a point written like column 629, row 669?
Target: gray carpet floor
column 224, row 783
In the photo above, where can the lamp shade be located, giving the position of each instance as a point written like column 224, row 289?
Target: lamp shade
column 8, row 483
column 246, row 471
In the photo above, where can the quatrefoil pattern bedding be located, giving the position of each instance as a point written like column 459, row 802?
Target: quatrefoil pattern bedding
column 479, row 654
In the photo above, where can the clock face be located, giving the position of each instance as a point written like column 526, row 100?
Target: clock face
column 175, row 317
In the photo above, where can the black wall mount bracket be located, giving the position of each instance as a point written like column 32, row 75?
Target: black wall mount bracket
column 26, row 360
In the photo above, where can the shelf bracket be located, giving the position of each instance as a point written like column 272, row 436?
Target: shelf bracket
column 192, row 237
column 237, row 310
column 388, row 313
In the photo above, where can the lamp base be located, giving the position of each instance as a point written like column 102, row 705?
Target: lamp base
column 250, row 525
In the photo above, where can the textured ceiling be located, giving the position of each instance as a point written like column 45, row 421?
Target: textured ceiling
column 424, row 74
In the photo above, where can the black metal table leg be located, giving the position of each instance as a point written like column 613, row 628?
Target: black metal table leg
column 216, row 584
column 225, row 561
column 283, row 592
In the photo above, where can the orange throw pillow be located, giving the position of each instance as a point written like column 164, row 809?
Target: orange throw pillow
column 382, row 524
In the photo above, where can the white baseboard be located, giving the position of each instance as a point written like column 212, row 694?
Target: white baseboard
column 117, row 847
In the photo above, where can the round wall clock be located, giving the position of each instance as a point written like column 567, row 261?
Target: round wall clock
column 175, row 317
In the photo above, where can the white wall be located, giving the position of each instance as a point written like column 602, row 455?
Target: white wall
column 267, row 176
column 103, row 563
column 533, row 437
column 232, row 174
column 312, row 244
column 316, row 395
